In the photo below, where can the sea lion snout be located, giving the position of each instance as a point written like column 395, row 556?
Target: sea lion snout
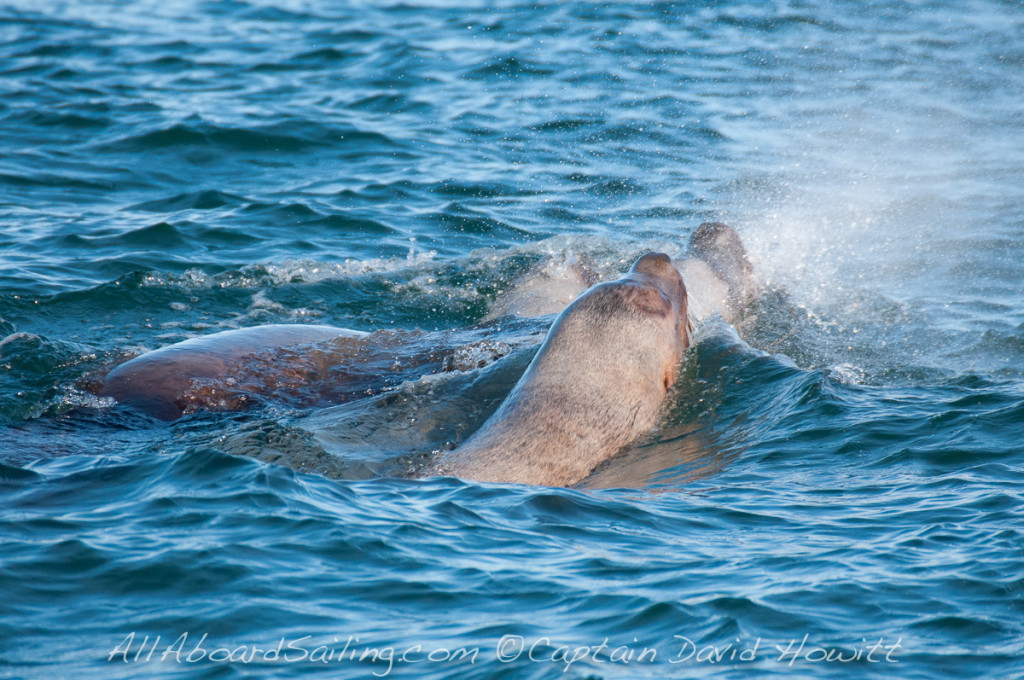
column 655, row 264
column 666, row 277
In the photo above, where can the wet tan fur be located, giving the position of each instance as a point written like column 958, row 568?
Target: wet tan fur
column 596, row 384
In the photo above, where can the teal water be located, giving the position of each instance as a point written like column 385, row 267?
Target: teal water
column 836, row 488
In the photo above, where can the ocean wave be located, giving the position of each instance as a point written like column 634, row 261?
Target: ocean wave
column 287, row 137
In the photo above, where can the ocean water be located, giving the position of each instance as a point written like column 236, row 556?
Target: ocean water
column 835, row 490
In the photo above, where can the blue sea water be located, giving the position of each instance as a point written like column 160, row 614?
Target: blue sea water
column 835, row 490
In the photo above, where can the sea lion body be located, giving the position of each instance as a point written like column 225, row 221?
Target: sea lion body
column 154, row 382
column 595, row 385
column 708, row 294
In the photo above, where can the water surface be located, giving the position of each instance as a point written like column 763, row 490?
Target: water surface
column 835, row 490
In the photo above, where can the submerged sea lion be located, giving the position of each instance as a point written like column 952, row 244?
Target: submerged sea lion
column 596, row 384
column 548, row 288
column 295, row 364
column 161, row 383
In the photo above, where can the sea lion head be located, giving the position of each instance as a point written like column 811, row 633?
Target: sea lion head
column 721, row 248
column 656, row 269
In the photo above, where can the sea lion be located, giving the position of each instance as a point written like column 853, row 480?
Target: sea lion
column 596, row 384
column 718, row 273
column 159, row 382
column 293, row 364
